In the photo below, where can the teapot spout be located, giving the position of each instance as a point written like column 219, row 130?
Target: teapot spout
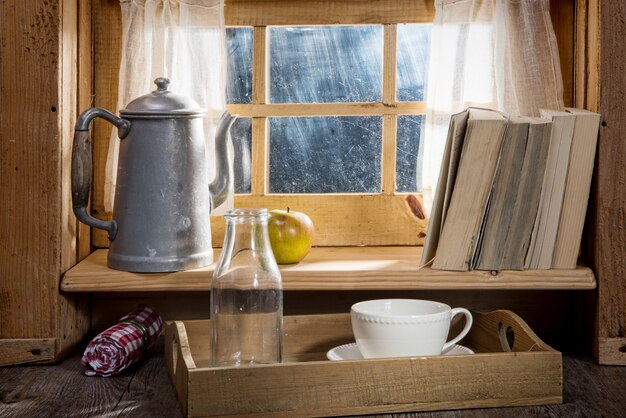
column 223, row 170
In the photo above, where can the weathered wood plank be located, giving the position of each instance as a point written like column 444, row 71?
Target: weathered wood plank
column 327, row 12
column 562, row 13
column 605, row 239
column 612, row 351
column 328, row 109
column 388, row 182
column 390, row 45
column 332, row 268
column 345, row 219
column 71, row 313
column 259, row 65
column 27, row 350
column 30, row 161
column 258, row 183
column 107, row 58
column 389, row 133
column 85, row 96
column 37, row 228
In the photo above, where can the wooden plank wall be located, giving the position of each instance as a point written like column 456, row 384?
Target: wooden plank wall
column 37, row 230
column 603, row 71
column 40, row 91
column 555, row 327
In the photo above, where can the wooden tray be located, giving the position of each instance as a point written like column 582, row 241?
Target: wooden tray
column 512, row 367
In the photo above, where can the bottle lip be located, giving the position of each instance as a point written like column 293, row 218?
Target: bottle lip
column 243, row 214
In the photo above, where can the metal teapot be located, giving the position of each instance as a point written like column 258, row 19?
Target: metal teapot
column 161, row 213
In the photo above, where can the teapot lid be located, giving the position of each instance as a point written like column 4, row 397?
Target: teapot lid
column 162, row 102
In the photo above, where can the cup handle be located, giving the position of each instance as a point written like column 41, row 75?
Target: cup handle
column 468, row 324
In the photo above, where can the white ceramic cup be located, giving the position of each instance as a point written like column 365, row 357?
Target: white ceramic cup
column 404, row 327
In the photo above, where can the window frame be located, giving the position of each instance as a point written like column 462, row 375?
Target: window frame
column 385, row 218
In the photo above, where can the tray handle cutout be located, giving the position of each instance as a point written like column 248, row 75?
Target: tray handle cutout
column 507, row 336
column 503, row 331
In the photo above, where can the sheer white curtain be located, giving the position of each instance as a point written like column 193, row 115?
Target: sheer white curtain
column 183, row 40
column 500, row 54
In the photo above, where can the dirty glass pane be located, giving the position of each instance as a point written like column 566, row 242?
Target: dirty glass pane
column 239, row 83
column 409, row 151
column 241, row 134
column 325, row 154
column 412, row 55
column 323, row 64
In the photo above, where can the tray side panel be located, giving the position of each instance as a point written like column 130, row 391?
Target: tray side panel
column 179, row 360
column 378, row 386
column 304, row 336
column 315, row 333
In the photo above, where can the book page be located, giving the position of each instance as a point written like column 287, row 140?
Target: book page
column 553, row 189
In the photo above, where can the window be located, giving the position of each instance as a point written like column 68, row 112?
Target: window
column 330, row 124
column 384, row 216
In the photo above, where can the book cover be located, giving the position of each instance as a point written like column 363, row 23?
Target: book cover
column 479, row 156
column 445, row 184
column 504, row 196
column 577, row 185
column 515, row 246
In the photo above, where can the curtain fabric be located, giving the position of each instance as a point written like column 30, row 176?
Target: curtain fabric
column 183, row 40
column 500, row 54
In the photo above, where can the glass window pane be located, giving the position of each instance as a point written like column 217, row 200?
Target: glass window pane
column 409, row 151
column 241, row 134
column 325, row 64
column 412, row 55
column 239, row 83
column 325, row 154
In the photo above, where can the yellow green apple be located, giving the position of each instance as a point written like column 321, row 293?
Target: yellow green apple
column 291, row 235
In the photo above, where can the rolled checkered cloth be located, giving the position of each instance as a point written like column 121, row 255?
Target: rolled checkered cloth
column 123, row 344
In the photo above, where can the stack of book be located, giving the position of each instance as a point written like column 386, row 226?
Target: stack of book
column 512, row 191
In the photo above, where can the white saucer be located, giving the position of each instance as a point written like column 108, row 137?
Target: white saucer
column 351, row 352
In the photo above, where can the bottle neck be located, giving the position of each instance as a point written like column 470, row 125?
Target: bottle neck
column 246, row 243
column 246, row 235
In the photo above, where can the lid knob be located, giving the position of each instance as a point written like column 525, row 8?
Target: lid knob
column 162, row 84
column 163, row 102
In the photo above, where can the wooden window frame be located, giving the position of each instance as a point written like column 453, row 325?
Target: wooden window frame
column 365, row 227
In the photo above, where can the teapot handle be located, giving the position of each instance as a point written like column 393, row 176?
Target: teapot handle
column 82, row 163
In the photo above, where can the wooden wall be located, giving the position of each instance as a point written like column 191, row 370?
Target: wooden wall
column 38, row 94
column 554, row 324
column 602, row 71
column 46, row 75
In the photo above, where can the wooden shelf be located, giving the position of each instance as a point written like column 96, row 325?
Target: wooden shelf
column 332, row 268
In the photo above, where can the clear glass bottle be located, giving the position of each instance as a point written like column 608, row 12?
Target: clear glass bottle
column 246, row 294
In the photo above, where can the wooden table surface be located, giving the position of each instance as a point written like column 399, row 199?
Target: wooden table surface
column 145, row 391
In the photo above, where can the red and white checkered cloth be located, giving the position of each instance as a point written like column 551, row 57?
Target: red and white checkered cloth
column 123, row 344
